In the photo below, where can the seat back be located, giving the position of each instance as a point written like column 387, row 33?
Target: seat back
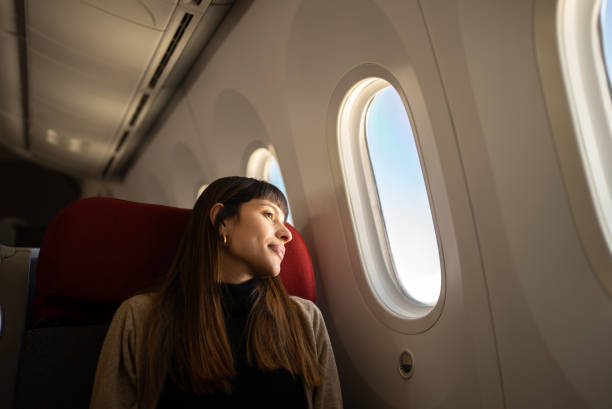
column 97, row 253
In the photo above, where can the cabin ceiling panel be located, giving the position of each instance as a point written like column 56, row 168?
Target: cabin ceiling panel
column 151, row 13
column 10, row 76
column 68, row 152
column 68, row 125
column 83, row 81
column 8, row 16
column 77, row 65
column 83, row 75
column 11, row 108
column 93, row 39
column 71, row 91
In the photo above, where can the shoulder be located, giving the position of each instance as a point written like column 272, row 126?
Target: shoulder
column 305, row 305
column 309, row 310
column 133, row 311
column 138, row 303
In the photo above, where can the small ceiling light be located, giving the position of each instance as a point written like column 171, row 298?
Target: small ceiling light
column 74, row 144
column 52, row 136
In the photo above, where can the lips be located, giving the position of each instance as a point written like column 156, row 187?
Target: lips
column 278, row 249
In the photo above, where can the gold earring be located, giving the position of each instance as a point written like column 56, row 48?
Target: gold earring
column 224, row 240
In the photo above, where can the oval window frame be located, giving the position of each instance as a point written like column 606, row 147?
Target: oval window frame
column 258, row 163
column 578, row 102
column 361, row 218
column 258, row 167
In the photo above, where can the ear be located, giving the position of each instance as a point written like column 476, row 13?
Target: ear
column 214, row 211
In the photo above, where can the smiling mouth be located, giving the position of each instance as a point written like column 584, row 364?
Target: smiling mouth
column 278, row 249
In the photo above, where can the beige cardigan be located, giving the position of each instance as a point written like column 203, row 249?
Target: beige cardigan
column 119, row 362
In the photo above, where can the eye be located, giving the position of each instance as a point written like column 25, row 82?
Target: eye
column 269, row 215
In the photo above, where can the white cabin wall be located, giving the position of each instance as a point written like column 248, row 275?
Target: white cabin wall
column 327, row 41
column 552, row 317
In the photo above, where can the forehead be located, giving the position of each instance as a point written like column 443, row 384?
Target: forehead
column 254, row 203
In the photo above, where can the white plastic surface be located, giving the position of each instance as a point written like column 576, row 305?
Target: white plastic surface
column 151, row 13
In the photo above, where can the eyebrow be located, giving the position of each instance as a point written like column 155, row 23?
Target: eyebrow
column 277, row 209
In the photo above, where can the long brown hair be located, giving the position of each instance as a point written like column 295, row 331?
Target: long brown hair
column 186, row 340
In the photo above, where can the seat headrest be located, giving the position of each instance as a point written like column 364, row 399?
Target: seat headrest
column 100, row 251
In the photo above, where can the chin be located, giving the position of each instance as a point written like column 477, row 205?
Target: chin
column 274, row 273
column 267, row 273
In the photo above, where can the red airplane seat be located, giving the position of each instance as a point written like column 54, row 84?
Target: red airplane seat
column 101, row 251
column 97, row 253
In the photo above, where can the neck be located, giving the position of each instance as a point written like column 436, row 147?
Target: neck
column 234, row 271
column 234, row 278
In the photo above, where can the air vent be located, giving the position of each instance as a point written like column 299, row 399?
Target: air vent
column 122, row 141
column 170, row 50
column 141, row 104
column 108, row 165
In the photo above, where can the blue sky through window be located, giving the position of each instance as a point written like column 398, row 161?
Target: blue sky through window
column 606, row 35
column 276, row 178
column 403, row 197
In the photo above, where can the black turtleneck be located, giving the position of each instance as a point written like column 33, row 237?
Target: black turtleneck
column 275, row 389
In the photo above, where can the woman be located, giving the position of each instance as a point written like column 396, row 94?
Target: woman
column 221, row 331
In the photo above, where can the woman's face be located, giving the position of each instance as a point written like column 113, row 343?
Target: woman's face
column 255, row 242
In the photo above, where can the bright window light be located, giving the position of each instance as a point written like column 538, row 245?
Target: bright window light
column 403, row 197
column 605, row 23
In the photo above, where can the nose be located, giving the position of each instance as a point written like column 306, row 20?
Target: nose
column 284, row 234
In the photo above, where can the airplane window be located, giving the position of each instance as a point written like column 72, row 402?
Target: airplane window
column 597, row 146
column 606, row 39
column 388, row 188
column 574, row 58
column 263, row 165
column 402, row 195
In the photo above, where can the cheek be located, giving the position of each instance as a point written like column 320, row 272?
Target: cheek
column 247, row 248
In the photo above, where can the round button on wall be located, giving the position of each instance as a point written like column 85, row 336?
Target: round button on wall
column 406, row 364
